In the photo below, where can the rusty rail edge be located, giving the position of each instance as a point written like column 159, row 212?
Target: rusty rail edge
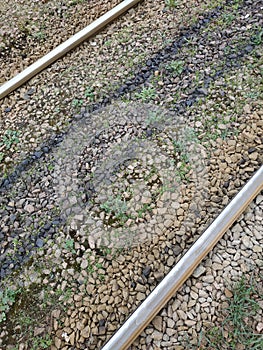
column 65, row 47
column 159, row 297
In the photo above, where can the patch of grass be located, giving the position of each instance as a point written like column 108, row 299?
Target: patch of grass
column 182, row 170
column 30, row 307
column 116, row 207
column 77, row 103
column 258, row 38
column 172, row 3
column 235, row 332
column 7, row 299
column 176, row 67
column 147, row 94
column 2, row 155
column 10, row 138
column 214, row 337
column 39, row 35
column 89, row 93
column 41, row 342
column 69, row 245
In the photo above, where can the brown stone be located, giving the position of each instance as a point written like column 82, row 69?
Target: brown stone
column 85, row 333
column 158, row 323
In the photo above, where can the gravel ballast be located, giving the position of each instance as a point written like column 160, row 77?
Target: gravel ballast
column 203, row 302
column 114, row 160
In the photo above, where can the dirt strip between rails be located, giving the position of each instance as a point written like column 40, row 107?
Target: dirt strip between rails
column 114, row 193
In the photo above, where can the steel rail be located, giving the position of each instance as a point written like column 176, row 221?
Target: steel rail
column 136, row 323
column 65, row 47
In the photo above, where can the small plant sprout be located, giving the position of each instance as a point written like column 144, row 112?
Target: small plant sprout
column 108, row 42
column 145, row 208
column 41, row 342
column 116, row 207
column 178, row 146
column 182, row 170
column 176, row 67
column 77, row 103
column 7, row 299
column 181, row 148
column 10, row 138
column 89, row 93
column 172, row 3
column 228, row 18
column 69, row 245
column 258, row 38
column 147, row 94
column 40, row 36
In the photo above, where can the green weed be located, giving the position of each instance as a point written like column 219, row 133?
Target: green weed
column 117, row 208
column 228, row 18
column 143, row 210
column 235, row 330
column 89, row 93
column 41, row 342
column 258, row 38
column 172, row 3
column 7, row 299
column 108, row 43
column 77, row 103
column 181, row 149
column 51, row 167
column 63, row 295
column 40, row 36
column 146, row 94
column 124, row 36
column 10, row 138
column 176, row 67
column 69, row 245
column 178, row 146
column 182, row 170
column 76, row 2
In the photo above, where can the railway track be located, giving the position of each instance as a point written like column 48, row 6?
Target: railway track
column 68, row 45
column 185, row 267
column 143, row 185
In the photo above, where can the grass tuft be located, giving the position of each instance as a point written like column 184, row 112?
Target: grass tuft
column 236, row 330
